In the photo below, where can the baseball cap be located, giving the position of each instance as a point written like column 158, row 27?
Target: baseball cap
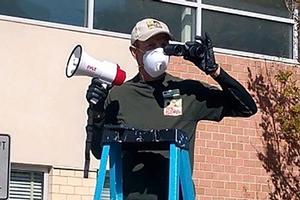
column 147, row 28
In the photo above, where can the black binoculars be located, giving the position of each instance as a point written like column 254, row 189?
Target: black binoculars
column 189, row 49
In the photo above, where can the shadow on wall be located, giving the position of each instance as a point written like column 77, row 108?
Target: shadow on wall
column 278, row 98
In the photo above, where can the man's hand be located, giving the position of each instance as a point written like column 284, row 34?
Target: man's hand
column 96, row 94
column 206, row 59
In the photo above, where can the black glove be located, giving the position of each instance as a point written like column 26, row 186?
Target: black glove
column 96, row 94
column 201, row 54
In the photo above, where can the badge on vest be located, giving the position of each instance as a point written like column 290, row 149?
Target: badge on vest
column 172, row 103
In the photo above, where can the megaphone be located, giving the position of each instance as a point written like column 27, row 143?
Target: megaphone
column 82, row 64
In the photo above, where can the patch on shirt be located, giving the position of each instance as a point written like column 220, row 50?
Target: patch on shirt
column 173, row 107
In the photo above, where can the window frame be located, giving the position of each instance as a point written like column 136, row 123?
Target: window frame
column 35, row 168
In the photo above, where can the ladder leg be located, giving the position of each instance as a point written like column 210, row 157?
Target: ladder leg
column 116, row 189
column 174, row 172
column 101, row 172
column 186, row 176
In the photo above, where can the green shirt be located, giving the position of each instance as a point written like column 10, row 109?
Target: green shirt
column 169, row 103
column 142, row 105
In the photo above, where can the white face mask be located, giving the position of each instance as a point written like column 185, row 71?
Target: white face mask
column 155, row 62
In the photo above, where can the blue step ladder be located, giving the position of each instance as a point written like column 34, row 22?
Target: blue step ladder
column 115, row 138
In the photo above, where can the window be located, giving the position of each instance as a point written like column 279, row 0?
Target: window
column 248, row 34
column 59, row 11
column 121, row 16
column 255, row 26
column 270, row 7
column 26, row 183
column 106, row 188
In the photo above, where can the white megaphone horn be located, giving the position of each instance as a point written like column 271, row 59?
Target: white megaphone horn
column 81, row 64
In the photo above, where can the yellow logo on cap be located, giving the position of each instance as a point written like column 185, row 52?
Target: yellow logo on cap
column 151, row 24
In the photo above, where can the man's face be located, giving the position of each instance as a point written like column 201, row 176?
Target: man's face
column 159, row 40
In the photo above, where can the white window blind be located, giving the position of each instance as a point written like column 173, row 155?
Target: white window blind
column 105, row 194
column 106, row 189
column 26, row 185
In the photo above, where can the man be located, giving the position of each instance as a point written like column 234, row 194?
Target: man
column 154, row 99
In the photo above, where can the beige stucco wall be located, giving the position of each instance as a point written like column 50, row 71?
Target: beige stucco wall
column 42, row 110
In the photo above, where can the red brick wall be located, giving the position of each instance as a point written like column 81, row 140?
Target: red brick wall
column 226, row 165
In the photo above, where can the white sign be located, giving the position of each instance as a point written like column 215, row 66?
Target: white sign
column 4, row 165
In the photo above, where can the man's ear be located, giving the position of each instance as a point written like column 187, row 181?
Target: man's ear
column 133, row 51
